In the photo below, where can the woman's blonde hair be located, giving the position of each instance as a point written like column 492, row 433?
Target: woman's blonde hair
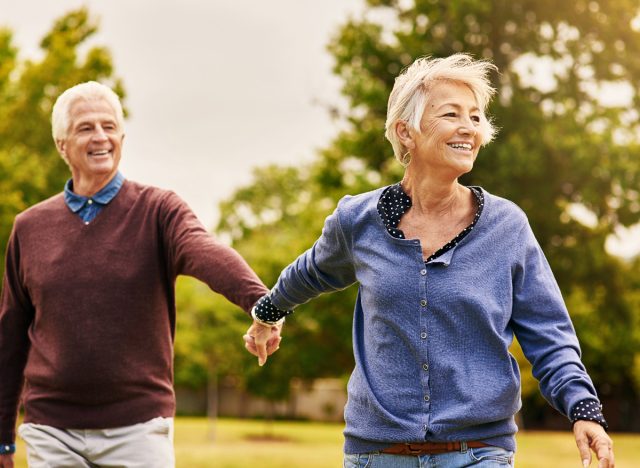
column 410, row 93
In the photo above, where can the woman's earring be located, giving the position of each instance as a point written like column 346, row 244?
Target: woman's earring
column 405, row 159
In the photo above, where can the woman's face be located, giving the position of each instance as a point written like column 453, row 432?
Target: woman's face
column 449, row 137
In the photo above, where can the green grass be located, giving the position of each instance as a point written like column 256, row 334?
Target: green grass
column 233, row 443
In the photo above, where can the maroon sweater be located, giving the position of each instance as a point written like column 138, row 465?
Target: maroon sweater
column 87, row 313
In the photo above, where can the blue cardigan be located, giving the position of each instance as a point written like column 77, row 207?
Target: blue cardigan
column 431, row 342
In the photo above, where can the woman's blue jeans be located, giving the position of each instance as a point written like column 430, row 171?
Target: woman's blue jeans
column 484, row 457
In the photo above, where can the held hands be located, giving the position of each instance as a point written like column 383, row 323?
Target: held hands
column 592, row 436
column 262, row 340
column 6, row 461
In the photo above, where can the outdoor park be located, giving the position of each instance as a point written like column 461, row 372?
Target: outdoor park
column 238, row 443
column 567, row 152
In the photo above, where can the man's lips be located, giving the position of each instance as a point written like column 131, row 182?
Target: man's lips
column 102, row 152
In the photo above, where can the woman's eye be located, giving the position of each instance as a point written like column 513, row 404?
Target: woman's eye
column 450, row 114
column 475, row 118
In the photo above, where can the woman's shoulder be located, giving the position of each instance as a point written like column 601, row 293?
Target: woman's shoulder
column 355, row 209
column 502, row 209
column 361, row 203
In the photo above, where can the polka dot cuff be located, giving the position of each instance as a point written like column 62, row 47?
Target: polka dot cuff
column 588, row 410
column 265, row 311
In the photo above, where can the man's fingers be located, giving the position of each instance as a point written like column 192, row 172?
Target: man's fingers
column 262, row 341
column 6, row 461
column 249, row 344
column 261, row 338
column 273, row 345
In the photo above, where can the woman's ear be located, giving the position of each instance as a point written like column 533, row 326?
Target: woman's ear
column 404, row 134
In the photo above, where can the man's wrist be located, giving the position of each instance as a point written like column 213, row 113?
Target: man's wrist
column 7, row 449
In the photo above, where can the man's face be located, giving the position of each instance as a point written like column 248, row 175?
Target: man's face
column 93, row 145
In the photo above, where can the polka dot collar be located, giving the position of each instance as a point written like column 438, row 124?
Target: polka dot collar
column 394, row 203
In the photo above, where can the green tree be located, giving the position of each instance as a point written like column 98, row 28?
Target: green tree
column 30, row 167
column 565, row 153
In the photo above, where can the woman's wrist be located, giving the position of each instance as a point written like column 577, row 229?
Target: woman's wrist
column 266, row 313
column 588, row 410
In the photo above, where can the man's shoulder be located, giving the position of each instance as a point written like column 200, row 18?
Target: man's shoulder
column 46, row 207
column 137, row 190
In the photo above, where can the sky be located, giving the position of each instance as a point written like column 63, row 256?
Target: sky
column 214, row 88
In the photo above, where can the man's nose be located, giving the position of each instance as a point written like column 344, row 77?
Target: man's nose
column 99, row 133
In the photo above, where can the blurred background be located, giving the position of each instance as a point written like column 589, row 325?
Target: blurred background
column 261, row 115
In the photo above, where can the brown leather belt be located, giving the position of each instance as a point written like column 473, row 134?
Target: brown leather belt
column 431, row 448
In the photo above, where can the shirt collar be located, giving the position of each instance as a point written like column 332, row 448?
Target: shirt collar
column 76, row 202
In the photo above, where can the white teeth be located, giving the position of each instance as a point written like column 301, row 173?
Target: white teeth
column 99, row 153
column 464, row 146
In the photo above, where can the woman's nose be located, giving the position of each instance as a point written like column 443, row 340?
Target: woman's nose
column 467, row 127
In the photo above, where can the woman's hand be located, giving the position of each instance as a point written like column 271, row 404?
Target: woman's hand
column 262, row 340
column 592, row 436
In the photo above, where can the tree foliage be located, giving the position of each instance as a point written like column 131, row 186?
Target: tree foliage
column 566, row 153
column 30, row 167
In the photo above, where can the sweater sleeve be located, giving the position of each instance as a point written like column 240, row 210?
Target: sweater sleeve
column 193, row 251
column 543, row 327
column 16, row 315
column 327, row 266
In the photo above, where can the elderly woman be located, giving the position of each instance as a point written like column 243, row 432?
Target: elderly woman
column 447, row 276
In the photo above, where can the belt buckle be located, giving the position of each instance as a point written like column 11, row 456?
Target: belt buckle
column 413, row 451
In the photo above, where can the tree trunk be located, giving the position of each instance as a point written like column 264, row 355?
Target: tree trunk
column 212, row 404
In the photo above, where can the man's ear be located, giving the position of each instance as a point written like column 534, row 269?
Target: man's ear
column 404, row 134
column 61, row 146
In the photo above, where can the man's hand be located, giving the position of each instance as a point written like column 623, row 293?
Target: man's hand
column 262, row 341
column 591, row 436
column 6, row 461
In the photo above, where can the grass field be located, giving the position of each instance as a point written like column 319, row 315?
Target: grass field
column 233, row 443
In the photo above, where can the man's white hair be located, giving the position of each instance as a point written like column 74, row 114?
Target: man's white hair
column 89, row 91
column 410, row 93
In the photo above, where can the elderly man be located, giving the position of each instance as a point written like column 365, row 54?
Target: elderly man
column 87, row 315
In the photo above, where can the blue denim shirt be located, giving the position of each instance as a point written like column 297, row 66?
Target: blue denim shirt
column 431, row 340
column 89, row 207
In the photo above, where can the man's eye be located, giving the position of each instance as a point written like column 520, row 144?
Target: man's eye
column 450, row 114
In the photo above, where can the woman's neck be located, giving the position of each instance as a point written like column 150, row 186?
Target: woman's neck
column 431, row 196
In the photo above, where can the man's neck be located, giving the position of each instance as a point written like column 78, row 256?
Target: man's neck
column 88, row 187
